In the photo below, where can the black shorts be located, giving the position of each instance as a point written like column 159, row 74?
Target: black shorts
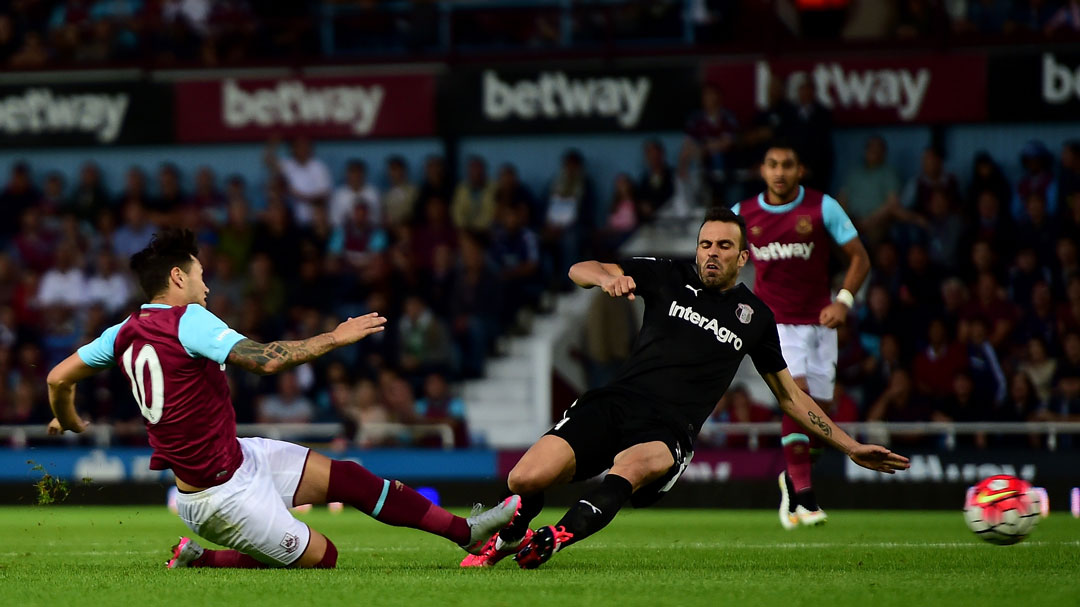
column 603, row 423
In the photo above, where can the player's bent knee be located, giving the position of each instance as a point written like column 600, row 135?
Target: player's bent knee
column 329, row 559
column 527, row 481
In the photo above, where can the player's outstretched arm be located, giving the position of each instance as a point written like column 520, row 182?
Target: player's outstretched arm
column 607, row 276
column 62, row 379
column 809, row 415
column 277, row 356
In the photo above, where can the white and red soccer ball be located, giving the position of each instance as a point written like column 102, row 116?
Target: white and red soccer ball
column 1002, row 509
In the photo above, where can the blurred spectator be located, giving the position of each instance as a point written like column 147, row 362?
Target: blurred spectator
column 920, row 289
column 166, row 206
column 306, row 177
column 109, row 286
column 207, row 199
column 1036, row 227
column 1023, row 401
column 608, row 334
column 811, row 134
column 434, row 229
column 1032, row 15
column 871, row 192
column 992, row 224
column 436, row 183
column 52, row 194
column 771, row 123
column 396, row 395
column 657, row 184
column 90, row 197
column 135, row 232
column 998, row 314
column 945, row 231
column 34, row 245
column 516, row 253
column 423, row 341
column 1038, row 179
column 918, row 19
column 510, row 190
column 876, row 319
column 264, row 286
column 962, row 406
column 935, row 366
column 1069, row 178
column 356, row 191
column 440, row 407
column 369, row 413
column 360, row 238
column 1039, row 368
column 17, row 196
column 286, row 406
column 933, row 176
column 622, row 218
column 32, row 54
column 570, row 215
column 276, row 236
column 899, row 403
column 236, row 237
column 710, row 141
column 1025, row 275
column 985, row 16
column 9, row 42
column 1066, row 19
column 475, row 306
column 65, row 283
column 982, row 363
column 134, row 189
column 987, row 176
column 1066, row 268
column 473, row 207
column 400, row 197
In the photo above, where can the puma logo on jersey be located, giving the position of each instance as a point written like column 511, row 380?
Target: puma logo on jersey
column 693, row 289
column 723, row 335
column 776, row 250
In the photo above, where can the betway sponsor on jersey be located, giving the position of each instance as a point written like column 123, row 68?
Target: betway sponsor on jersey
column 235, row 110
column 789, row 250
column 912, row 89
column 723, row 335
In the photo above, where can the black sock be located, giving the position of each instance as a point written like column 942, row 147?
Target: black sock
column 531, row 505
column 807, row 499
column 596, row 508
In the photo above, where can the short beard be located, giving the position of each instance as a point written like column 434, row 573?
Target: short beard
column 715, row 282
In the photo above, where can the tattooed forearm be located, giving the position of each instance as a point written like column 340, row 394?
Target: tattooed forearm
column 816, row 419
column 278, row 355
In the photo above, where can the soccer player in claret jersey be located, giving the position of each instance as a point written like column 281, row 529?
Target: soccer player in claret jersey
column 237, row 492
column 697, row 328
column 791, row 231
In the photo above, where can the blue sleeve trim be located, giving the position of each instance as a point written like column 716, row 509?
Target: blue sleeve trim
column 736, row 207
column 203, row 334
column 837, row 221
column 101, row 353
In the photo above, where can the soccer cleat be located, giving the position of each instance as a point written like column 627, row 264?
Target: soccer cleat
column 184, row 553
column 788, row 517
column 494, row 551
column 810, row 518
column 545, row 542
column 482, row 526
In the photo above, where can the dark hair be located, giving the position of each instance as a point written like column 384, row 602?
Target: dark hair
column 170, row 248
column 726, row 215
column 356, row 163
column 780, row 143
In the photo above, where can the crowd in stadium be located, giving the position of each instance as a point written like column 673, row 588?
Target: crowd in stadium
column 162, row 33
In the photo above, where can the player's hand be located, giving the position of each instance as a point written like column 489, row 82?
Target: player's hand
column 833, row 315
column 876, row 457
column 55, row 428
column 355, row 329
column 618, row 286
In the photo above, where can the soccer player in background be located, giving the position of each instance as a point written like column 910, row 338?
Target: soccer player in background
column 698, row 326
column 237, row 492
column 791, row 230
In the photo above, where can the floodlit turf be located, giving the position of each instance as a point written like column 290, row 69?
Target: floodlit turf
column 113, row 557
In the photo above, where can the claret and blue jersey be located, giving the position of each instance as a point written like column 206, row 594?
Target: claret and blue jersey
column 174, row 359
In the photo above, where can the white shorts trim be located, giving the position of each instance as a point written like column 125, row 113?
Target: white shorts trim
column 811, row 351
column 250, row 512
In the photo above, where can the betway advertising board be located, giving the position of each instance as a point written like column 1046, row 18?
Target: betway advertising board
column 1035, row 87
column 330, row 108
column 90, row 114
column 896, row 90
column 499, row 101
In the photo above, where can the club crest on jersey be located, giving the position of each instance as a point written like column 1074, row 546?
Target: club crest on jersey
column 803, row 225
column 743, row 313
column 755, row 230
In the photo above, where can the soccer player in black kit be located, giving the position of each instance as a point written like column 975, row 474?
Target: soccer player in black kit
column 698, row 325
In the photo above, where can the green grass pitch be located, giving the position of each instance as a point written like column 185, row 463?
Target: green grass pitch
column 114, row 556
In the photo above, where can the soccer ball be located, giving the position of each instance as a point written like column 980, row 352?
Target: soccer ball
column 1002, row 509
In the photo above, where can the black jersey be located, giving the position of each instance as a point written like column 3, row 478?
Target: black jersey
column 692, row 339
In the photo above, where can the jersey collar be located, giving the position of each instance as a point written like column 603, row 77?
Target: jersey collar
column 782, row 208
column 152, row 305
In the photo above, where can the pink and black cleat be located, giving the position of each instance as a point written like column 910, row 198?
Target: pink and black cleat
column 495, row 550
column 184, row 553
column 544, row 542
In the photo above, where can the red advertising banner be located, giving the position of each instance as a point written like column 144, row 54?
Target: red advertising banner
column 900, row 90
column 331, row 108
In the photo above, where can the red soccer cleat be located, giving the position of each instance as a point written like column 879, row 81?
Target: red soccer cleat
column 545, row 542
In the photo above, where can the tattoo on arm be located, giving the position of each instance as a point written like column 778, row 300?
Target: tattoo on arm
column 278, row 355
column 815, row 419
